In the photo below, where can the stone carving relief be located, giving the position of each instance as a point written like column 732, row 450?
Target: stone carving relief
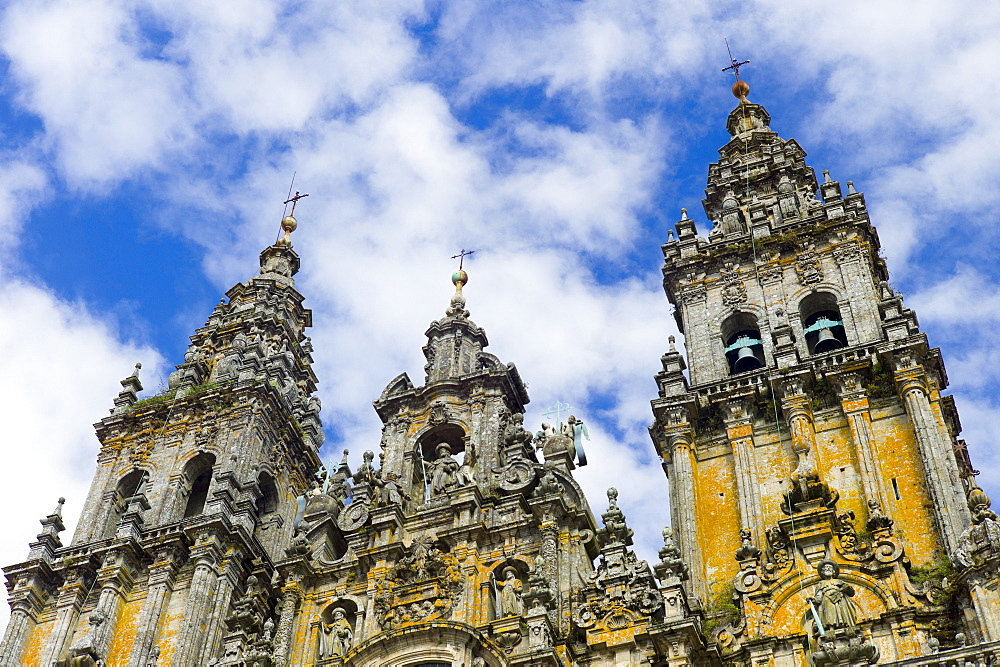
column 734, row 291
column 979, row 542
column 808, row 267
column 424, row 584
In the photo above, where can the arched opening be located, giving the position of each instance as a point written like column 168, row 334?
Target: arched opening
column 267, row 503
column 198, row 472
column 269, row 520
column 442, row 460
column 822, row 324
column 130, row 485
column 744, row 345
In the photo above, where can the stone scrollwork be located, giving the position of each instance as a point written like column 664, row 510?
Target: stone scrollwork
column 354, row 516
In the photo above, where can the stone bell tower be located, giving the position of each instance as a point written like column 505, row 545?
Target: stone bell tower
column 819, row 492
column 193, row 494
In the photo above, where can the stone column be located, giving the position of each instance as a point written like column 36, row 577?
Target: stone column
column 25, row 604
column 854, row 403
column 291, row 598
column 739, row 430
column 683, row 501
column 71, row 597
column 232, row 572
column 940, row 467
column 205, row 555
column 161, row 584
column 113, row 582
column 798, row 414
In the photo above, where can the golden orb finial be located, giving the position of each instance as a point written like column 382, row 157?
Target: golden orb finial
column 741, row 89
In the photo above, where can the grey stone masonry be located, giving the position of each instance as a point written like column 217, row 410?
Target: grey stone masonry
column 195, row 488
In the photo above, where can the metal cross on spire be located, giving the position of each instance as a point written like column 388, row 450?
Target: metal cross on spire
column 735, row 64
column 294, row 200
column 461, row 257
column 557, row 411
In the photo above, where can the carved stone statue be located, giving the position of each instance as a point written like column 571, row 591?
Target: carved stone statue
column 511, row 589
column 832, row 598
column 336, row 637
column 366, row 474
column 446, row 473
column 391, row 491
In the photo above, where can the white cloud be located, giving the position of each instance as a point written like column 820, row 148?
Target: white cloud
column 107, row 109
column 62, row 365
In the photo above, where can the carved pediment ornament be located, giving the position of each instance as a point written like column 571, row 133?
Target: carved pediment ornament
column 425, row 583
column 734, row 291
column 808, row 267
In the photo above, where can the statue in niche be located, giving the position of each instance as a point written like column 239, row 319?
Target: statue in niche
column 831, row 600
column 511, row 589
column 337, row 636
column 446, row 474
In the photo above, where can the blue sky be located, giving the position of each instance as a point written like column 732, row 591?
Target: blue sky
column 147, row 146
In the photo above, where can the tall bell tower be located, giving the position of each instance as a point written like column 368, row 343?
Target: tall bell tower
column 810, row 448
column 193, row 494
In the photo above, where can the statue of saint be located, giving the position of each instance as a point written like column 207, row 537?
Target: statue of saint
column 366, row 474
column 390, row 491
column 445, row 472
column 336, row 637
column 832, row 598
column 510, row 594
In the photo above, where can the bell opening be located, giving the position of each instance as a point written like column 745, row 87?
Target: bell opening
column 745, row 351
column 824, row 332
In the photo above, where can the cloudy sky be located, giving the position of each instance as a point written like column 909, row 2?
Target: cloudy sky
column 147, row 146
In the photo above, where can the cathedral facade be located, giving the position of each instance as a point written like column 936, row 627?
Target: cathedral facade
column 823, row 510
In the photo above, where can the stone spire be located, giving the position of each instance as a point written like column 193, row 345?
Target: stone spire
column 258, row 335
column 454, row 343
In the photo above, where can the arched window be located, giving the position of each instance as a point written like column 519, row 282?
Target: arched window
column 198, row 473
column 822, row 324
column 744, row 345
column 130, row 485
column 269, row 520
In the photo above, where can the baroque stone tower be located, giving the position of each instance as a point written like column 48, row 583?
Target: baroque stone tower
column 823, row 510
column 193, row 495
column 822, row 500
column 214, row 535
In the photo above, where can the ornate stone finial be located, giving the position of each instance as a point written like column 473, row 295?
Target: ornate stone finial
column 673, row 343
column 684, row 214
column 59, row 507
column 826, row 176
column 850, row 188
column 615, row 530
column 670, row 564
column 670, row 235
column 135, row 373
column 457, row 308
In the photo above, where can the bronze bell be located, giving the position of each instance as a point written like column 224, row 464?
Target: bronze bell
column 746, row 361
column 826, row 342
